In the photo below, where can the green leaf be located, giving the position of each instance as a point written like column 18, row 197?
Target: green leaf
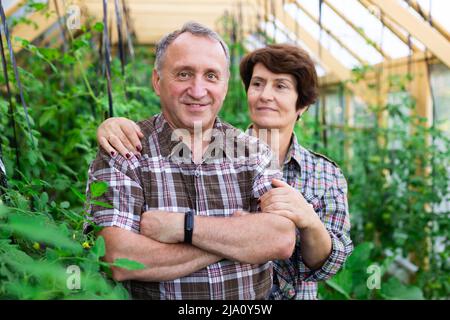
column 98, row 27
column 37, row 6
column 395, row 290
column 65, row 204
column 44, row 198
column 68, row 59
column 128, row 264
column 342, row 283
column 46, row 116
column 360, row 257
column 82, row 197
column 102, row 204
column 99, row 248
column 38, row 229
column 98, row 188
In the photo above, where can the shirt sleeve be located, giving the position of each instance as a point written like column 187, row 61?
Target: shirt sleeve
column 124, row 192
column 333, row 212
column 264, row 173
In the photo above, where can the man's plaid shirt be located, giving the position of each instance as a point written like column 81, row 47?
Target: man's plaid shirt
column 323, row 185
column 160, row 181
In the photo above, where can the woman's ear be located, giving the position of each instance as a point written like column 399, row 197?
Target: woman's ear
column 300, row 112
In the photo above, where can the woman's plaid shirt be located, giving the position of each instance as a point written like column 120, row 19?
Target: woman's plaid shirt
column 323, row 185
column 162, row 180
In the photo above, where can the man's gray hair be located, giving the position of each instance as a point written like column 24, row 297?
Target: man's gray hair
column 193, row 28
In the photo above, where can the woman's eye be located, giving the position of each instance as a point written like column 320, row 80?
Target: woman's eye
column 256, row 84
column 282, row 86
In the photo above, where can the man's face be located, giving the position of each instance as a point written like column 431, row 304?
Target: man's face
column 193, row 81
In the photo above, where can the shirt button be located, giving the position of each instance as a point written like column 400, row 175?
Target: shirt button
column 197, row 173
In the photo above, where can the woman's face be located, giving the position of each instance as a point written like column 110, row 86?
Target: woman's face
column 272, row 99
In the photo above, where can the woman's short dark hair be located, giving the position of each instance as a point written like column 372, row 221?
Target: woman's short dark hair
column 284, row 58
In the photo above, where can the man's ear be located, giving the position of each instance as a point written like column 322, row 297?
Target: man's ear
column 155, row 81
column 226, row 90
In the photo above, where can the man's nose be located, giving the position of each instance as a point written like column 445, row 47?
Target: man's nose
column 197, row 90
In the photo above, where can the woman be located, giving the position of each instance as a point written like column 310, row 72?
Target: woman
column 281, row 82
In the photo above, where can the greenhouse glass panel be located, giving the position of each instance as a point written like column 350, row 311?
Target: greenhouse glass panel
column 372, row 27
column 282, row 35
column 439, row 11
column 362, row 117
column 440, row 82
column 343, row 31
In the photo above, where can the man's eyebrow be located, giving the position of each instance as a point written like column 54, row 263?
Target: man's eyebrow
column 176, row 69
column 215, row 70
column 190, row 68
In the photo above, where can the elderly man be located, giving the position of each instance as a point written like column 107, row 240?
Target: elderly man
column 173, row 206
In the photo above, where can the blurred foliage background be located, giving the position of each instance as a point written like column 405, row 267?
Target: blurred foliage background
column 397, row 177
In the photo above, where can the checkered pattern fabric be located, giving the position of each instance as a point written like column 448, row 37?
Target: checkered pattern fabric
column 230, row 178
column 323, row 185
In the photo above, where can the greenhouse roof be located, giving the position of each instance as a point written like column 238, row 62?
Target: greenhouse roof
column 339, row 34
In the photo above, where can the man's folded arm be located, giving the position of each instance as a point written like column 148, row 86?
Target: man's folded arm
column 163, row 261
column 252, row 238
column 121, row 225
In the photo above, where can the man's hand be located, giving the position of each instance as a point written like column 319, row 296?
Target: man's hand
column 163, row 226
column 290, row 203
column 120, row 135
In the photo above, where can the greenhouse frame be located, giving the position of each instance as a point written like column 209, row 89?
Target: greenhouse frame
column 382, row 115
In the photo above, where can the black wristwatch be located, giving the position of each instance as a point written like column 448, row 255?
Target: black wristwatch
column 188, row 226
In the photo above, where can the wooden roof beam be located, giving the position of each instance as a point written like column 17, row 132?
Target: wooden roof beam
column 391, row 26
column 30, row 32
column 332, row 35
column 327, row 59
column 426, row 16
column 14, row 8
column 358, row 30
column 431, row 38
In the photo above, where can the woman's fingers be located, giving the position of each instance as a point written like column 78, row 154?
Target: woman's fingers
column 276, row 206
column 123, row 137
column 107, row 147
column 274, row 199
column 132, row 140
column 121, row 134
column 117, row 144
column 273, row 192
column 138, row 131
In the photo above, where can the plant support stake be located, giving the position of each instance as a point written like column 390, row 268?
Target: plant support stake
column 16, row 72
column 13, row 142
column 119, row 34
column 107, row 56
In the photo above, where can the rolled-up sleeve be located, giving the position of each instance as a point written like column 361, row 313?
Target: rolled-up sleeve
column 334, row 213
column 123, row 197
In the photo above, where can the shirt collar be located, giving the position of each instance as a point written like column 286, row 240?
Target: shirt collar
column 169, row 140
column 295, row 151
